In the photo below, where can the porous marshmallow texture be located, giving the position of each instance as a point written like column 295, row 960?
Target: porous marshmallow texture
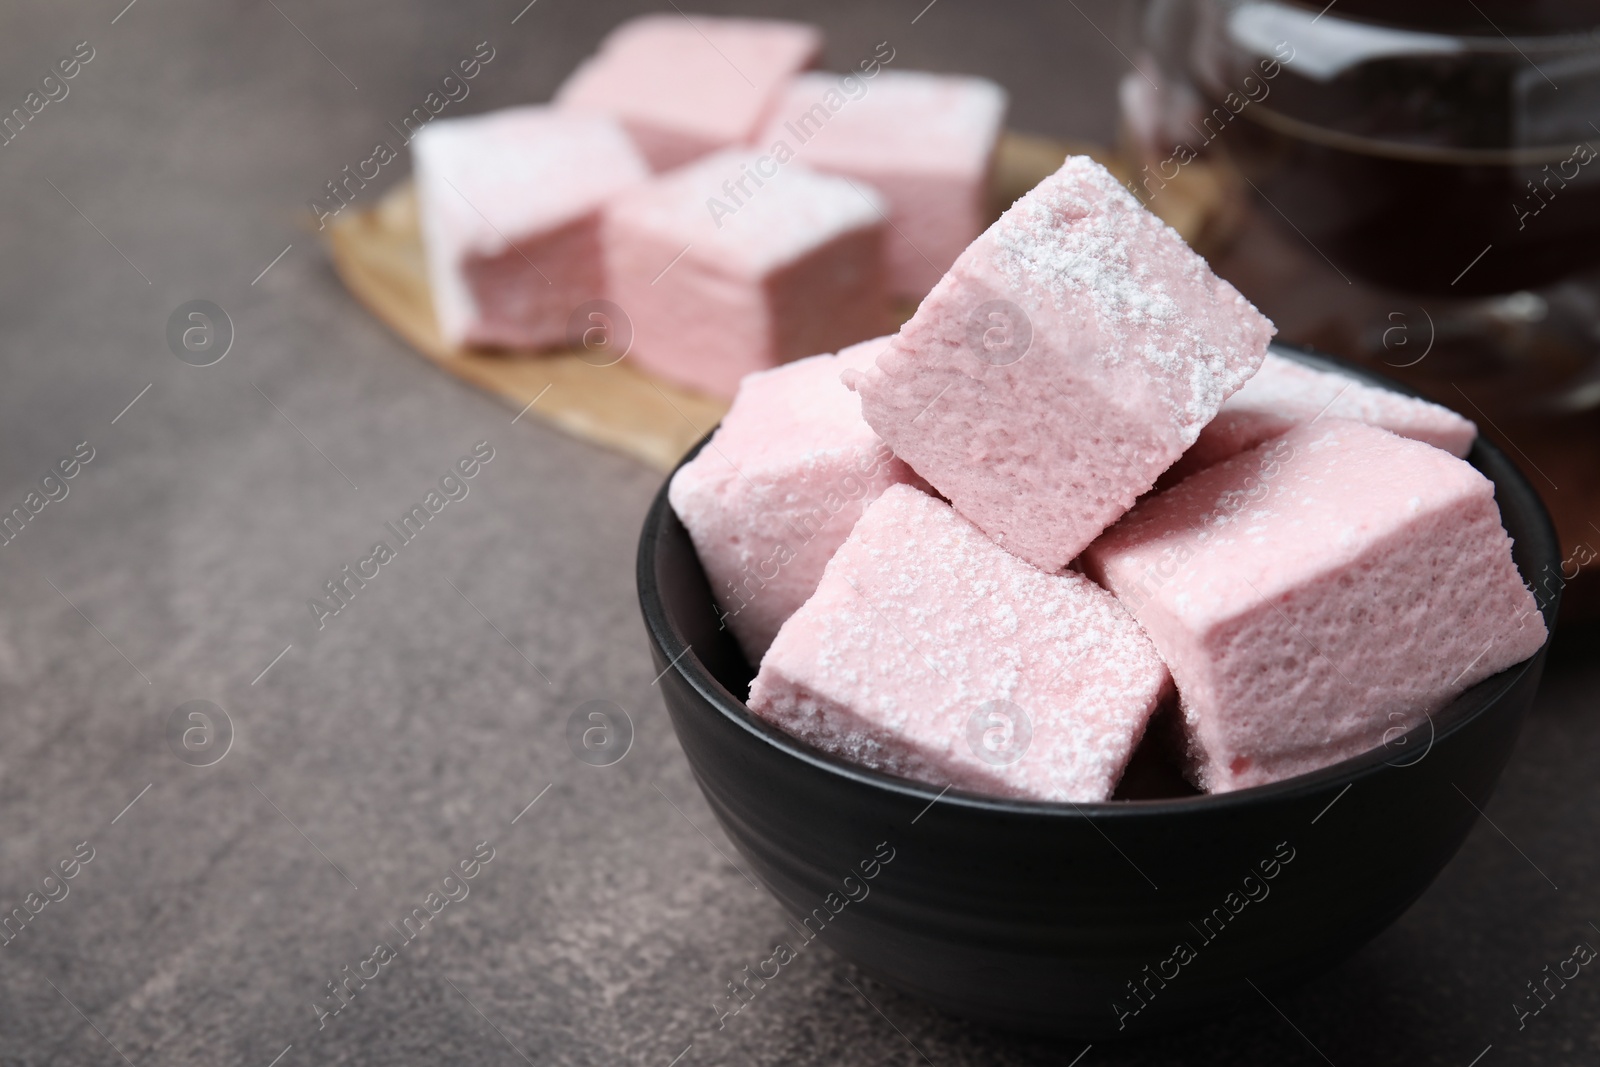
column 510, row 205
column 687, row 85
column 1071, row 354
column 926, row 141
column 1319, row 595
column 778, row 488
column 931, row 653
column 1284, row 393
column 719, row 284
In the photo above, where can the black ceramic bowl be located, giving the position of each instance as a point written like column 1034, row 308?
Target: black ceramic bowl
column 1089, row 919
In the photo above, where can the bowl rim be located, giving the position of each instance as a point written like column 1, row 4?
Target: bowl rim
column 1459, row 713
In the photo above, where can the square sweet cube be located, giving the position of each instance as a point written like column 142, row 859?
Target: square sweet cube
column 687, row 85
column 926, row 141
column 1319, row 595
column 1070, row 356
column 511, row 209
column 778, row 488
column 1284, row 393
column 735, row 263
column 931, row 653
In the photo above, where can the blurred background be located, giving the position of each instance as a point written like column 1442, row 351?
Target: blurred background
column 1408, row 188
column 340, row 773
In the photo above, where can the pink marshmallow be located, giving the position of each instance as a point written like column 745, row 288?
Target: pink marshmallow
column 719, row 286
column 777, row 489
column 510, row 206
column 926, row 141
column 685, row 86
column 1070, row 356
column 931, row 653
column 1284, row 393
column 1319, row 595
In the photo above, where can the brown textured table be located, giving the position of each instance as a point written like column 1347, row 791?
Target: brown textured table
column 369, row 757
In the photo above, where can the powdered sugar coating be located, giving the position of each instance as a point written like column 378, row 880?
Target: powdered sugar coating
column 1134, row 346
column 505, row 196
column 920, row 621
column 777, row 489
column 520, row 170
column 1076, row 240
column 1284, row 393
column 787, row 216
column 1319, row 593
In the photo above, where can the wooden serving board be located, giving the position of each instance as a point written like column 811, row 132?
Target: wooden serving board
column 378, row 255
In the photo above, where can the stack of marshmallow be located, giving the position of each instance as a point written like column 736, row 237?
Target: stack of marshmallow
column 944, row 551
column 740, row 210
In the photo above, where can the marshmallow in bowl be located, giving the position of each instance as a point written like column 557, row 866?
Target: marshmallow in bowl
column 1069, row 357
column 931, row 653
column 778, row 487
column 1318, row 595
column 1284, row 394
